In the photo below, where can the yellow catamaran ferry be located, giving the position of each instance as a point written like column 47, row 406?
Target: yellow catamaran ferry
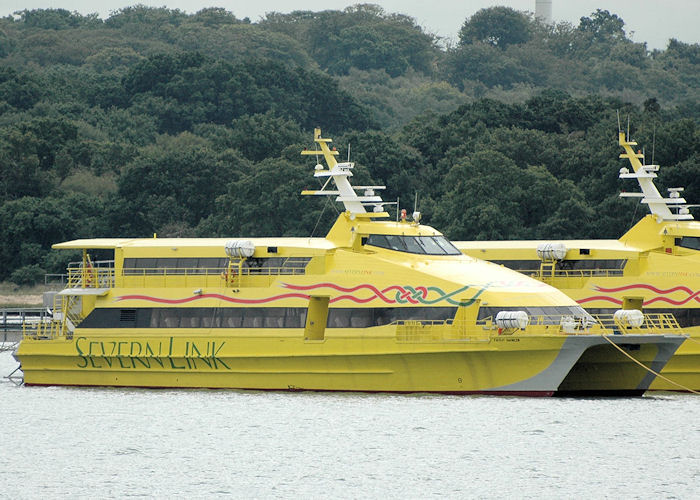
column 654, row 267
column 376, row 305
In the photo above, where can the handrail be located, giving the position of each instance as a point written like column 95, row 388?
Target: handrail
column 486, row 329
column 209, row 271
column 572, row 273
column 12, row 319
column 96, row 277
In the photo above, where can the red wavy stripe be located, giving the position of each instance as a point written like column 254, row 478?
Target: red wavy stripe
column 646, row 302
column 355, row 299
column 670, row 301
column 331, row 285
column 213, row 296
column 647, row 287
column 374, row 289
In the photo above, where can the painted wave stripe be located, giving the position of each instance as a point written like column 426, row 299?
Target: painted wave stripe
column 691, row 295
column 402, row 295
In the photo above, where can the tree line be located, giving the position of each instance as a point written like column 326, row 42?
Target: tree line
column 156, row 121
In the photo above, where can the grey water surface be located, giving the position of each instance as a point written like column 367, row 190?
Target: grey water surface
column 109, row 442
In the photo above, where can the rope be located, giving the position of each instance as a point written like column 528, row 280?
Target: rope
column 328, row 203
column 693, row 340
column 649, row 369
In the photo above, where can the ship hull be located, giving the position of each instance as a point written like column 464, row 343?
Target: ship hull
column 367, row 362
column 683, row 368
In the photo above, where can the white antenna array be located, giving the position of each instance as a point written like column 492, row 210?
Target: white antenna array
column 662, row 208
column 340, row 173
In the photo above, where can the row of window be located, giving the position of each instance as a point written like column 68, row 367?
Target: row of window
column 566, row 265
column 210, row 265
column 295, row 317
column 427, row 245
column 257, row 317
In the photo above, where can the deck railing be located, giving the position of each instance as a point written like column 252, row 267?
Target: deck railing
column 99, row 277
column 486, row 329
column 572, row 273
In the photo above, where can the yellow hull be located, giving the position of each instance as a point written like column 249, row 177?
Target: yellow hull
column 683, row 368
column 376, row 305
column 278, row 360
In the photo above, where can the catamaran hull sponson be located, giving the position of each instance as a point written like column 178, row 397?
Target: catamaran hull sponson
column 596, row 366
column 583, row 364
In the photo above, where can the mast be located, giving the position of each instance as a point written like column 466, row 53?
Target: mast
column 659, row 206
column 340, row 174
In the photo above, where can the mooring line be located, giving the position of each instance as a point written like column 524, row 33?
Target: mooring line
column 649, row 369
column 693, row 340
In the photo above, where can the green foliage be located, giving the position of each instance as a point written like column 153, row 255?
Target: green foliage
column 57, row 19
column 484, row 63
column 266, row 201
column 28, row 275
column 257, row 136
column 143, row 20
column 18, row 90
column 176, row 179
column 185, row 89
column 31, row 225
column 483, row 202
column 395, row 101
column 496, row 26
column 362, row 36
column 603, row 26
column 155, row 120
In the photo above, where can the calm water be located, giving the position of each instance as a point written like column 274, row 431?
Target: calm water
column 77, row 442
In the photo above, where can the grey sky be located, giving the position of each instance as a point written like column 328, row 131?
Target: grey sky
column 651, row 21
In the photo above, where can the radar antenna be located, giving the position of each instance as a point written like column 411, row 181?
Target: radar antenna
column 662, row 208
column 340, row 174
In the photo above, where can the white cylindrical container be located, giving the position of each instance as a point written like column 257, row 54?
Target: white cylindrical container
column 551, row 251
column 512, row 319
column 568, row 324
column 629, row 317
column 240, row 248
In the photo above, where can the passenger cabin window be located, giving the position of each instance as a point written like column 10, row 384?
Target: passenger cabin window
column 174, row 265
column 425, row 245
column 611, row 266
column 692, row 242
column 212, row 265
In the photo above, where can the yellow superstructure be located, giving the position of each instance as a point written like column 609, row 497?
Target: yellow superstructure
column 376, row 305
column 654, row 267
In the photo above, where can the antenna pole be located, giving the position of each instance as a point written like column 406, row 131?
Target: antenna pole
column 397, row 208
column 348, row 152
column 653, row 145
column 619, row 128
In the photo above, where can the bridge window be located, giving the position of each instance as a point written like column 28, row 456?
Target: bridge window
column 692, row 242
column 425, row 245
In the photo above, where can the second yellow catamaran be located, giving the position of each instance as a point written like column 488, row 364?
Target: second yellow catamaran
column 376, row 305
column 654, row 267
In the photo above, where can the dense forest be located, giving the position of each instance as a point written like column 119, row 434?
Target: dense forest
column 157, row 121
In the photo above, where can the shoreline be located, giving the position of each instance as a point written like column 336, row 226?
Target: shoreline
column 21, row 300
